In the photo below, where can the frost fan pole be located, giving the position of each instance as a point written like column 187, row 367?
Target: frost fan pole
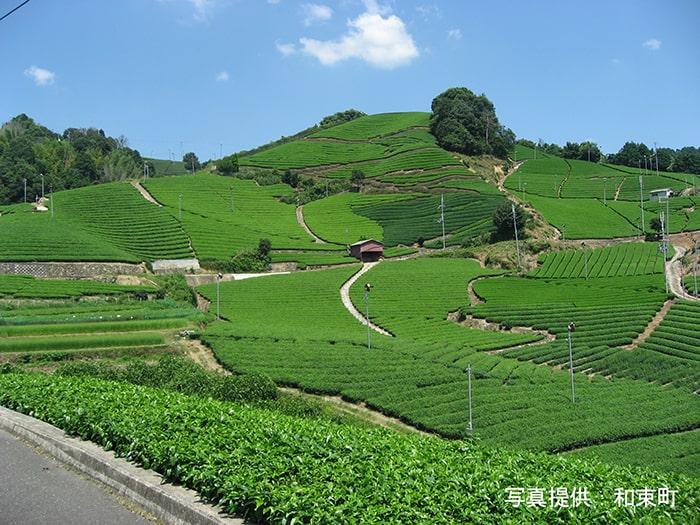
column 469, row 388
column 368, row 287
column 515, row 227
column 571, row 327
column 441, row 220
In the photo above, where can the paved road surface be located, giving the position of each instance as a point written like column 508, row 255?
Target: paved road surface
column 37, row 489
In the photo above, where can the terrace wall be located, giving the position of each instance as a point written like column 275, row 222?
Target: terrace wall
column 69, row 270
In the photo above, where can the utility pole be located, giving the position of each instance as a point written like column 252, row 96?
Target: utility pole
column 179, row 206
column 641, row 200
column 25, row 190
column 367, row 289
column 605, row 191
column 469, row 388
column 441, row 220
column 218, row 280
column 571, row 328
column 664, row 248
column 515, row 228
column 695, row 269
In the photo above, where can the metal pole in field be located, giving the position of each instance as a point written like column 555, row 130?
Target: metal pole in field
column 605, row 191
column 585, row 258
column 515, row 227
column 441, row 220
column 25, row 190
column 571, row 328
column 695, row 268
column 179, row 206
column 51, row 198
column 218, row 280
column 367, row 289
column 469, row 388
column 42, row 185
column 663, row 248
column 641, row 200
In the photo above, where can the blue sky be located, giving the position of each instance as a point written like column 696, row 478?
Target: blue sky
column 221, row 76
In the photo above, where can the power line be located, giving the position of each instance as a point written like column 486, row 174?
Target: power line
column 15, row 9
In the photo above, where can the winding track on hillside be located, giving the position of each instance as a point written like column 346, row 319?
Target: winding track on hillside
column 345, row 297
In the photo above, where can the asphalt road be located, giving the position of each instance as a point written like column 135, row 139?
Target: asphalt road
column 35, row 489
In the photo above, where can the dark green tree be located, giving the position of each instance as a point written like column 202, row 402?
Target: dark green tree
column 191, row 161
column 228, row 165
column 357, row 178
column 503, row 221
column 464, row 122
column 290, row 178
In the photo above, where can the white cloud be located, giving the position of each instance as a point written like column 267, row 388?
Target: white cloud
column 377, row 39
column 202, row 8
column 652, row 44
column 40, row 76
column 222, row 77
column 316, row 13
column 454, row 34
column 286, row 49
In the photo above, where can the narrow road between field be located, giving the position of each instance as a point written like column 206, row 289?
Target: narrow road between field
column 674, row 274
column 345, row 296
column 146, row 195
column 302, row 223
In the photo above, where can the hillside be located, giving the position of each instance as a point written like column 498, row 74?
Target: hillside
column 565, row 341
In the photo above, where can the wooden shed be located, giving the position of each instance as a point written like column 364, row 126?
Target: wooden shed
column 367, row 250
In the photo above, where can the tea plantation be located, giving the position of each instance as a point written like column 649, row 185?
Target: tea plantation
column 561, row 388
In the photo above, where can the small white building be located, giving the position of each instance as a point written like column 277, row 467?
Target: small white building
column 663, row 193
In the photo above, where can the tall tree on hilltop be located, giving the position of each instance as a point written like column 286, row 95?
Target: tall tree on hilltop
column 467, row 123
column 191, row 161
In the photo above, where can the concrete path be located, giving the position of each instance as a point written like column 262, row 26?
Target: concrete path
column 345, row 297
column 674, row 274
column 37, row 489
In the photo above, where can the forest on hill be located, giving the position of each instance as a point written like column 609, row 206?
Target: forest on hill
column 33, row 157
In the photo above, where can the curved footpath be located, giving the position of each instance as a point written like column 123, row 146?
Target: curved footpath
column 50, row 496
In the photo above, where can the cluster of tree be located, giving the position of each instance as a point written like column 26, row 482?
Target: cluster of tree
column 684, row 160
column 466, row 123
column 572, row 150
column 340, row 118
column 78, row 157
column 506, row 218
column 255, row 260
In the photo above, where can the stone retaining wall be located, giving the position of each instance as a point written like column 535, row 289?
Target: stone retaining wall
column 69, row 270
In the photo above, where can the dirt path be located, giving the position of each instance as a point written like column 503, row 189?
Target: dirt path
column 203, row 356
column 674, row 273
column 345, row 297
column 302, row 223
column 136, row 184
column 651, row 326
